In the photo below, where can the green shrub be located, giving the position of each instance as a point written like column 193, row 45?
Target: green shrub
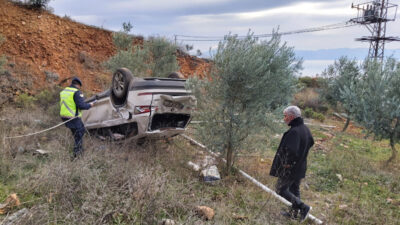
column 38, row 4
column 133, row 60
column 163, row 56
column 311, row 82
column 156, row 57
column 310, row 113
column 318, row 116
column 122, row 40
column 48, row 97
column 24, row 100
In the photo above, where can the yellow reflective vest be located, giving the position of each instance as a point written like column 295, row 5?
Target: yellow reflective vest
column 67, row 103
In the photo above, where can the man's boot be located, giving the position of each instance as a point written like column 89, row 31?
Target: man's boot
column 291, row 214
column 304, row 212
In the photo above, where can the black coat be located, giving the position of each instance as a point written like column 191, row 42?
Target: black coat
column 293, row 151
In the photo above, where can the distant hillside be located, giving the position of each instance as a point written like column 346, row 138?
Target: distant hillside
column 43, row 49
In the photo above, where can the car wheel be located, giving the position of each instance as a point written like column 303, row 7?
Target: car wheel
column 120, row 82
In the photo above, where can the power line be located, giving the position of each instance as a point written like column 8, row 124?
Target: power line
column 307, row 30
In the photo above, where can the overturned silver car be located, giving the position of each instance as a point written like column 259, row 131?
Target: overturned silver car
column 140, row 107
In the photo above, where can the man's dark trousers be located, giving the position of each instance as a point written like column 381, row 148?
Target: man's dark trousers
column 78, row 130
column 289, row 188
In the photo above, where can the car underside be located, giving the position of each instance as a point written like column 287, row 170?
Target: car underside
column 140, row 107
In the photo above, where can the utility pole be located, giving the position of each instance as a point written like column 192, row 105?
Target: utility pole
column 374, row 15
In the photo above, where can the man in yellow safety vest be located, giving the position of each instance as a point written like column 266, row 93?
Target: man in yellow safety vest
column 71, row 103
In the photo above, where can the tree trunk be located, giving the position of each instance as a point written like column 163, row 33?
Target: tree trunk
column 393, row 137
column 394, row 151
column 347, row 124
column 229, row 158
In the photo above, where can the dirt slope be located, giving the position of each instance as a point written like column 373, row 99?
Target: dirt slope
column 43, row 49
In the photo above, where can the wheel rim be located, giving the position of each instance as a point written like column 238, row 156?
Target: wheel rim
column 119, row 82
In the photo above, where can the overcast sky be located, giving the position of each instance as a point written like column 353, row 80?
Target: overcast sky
column 219, row 17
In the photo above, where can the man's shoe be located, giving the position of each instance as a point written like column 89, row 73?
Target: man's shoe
column 292, row 214
column 304, row 212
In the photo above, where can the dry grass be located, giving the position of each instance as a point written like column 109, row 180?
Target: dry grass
column 128, row 184
column 116, row 183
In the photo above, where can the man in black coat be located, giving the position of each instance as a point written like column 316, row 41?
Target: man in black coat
column 290, row 162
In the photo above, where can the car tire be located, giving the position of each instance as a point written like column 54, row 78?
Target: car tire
column 120, row 82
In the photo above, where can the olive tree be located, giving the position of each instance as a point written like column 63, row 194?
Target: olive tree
column 342, row 78
column 249, row 80
column 163, row 56
column 132, row 57
column 155, row 57
column 379, row 101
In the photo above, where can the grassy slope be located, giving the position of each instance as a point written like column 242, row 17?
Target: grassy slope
column 128, row 184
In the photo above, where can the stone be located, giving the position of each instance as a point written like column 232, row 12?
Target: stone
column 205, row 212
column 21, row 150
column 15, row 217
column 339, row 176
column 194, row 166
column 208, row 161
column 211, row 174
column 167, row 222
column 11, row 202
column 40, row 152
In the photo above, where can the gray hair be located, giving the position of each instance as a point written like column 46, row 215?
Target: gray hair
column 293, row 110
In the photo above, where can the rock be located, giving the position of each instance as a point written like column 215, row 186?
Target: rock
column 51, row 76
column 339, row 176
column 41, row 152
column 21, row 150
column 210, row 174
column 167, row 222
column 23, row 22
column 15, row 217
column 208, row 161
column 205, row 212
column 194, row 166
column 11, row 202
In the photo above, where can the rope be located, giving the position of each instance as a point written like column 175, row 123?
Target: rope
column 42, row 131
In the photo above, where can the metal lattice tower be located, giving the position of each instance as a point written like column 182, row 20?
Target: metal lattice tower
column 374, row 15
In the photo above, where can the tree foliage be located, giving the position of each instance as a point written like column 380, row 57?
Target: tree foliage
column 249, row 80
column 342, row 78
column 378, row 102
column 163, row 56
column 155, row 57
